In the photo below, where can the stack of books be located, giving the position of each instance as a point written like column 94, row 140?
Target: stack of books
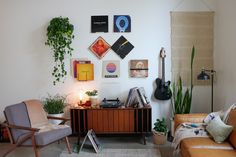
column 137, row 98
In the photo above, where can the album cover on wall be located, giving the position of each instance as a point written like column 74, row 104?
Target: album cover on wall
column 122, row 23
column 99, row 24
column 122, row 47
column 111, row 69
column 99, row 47
column 139, row 68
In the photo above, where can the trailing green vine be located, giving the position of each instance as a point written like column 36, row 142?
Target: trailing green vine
column 60, row 35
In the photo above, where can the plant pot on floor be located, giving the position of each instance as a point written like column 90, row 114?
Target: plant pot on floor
column 159, row 137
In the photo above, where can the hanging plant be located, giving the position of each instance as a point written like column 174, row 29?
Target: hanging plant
column 60, row 35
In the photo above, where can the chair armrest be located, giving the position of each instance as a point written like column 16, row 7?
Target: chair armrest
column 20, row 127
column 192, row 118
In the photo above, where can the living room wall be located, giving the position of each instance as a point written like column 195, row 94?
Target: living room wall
column 225, row 37
column 26, row 63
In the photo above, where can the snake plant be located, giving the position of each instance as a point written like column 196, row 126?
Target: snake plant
column 182, row 100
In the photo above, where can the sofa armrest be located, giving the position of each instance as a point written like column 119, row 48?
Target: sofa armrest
column 192, row 118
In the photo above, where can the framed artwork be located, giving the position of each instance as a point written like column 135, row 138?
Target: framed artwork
column 139, row 68
column 122, row 47
column 99, row 24
column 122, row 23
column 111, row 69
column 99, row 47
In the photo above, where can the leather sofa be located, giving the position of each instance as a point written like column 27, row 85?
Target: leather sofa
column 203, row 146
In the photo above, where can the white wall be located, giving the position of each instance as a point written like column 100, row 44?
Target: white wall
column 26, row 63
column 225, row 55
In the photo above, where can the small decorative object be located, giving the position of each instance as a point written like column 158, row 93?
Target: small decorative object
column 99, row 47
column 160, row 131
column 122, row 23
column 122, row 47
column 54, row 106
column 93, row 96
column 60, row 35
column 99, row 24
column 139, row 68
column 111, row 69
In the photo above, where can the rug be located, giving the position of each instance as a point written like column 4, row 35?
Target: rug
column 108, row 152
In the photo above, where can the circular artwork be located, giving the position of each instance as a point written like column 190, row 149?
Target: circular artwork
column 111, row 67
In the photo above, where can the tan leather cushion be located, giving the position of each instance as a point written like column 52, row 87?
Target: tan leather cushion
column 203, row 143
column 36, row 113
column 232, row 138
column 232, row 118
column 211, row 153
column 232, row 121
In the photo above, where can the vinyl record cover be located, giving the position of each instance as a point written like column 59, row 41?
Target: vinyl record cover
column 111, row 69
column 122, row 23
column 139, row 68
column 99, row 47
column 122, row 47
column 99, row 24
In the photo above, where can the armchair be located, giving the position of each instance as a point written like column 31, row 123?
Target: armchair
column 28, row 125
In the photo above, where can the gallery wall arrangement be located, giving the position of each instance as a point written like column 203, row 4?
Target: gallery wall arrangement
column 83, row 70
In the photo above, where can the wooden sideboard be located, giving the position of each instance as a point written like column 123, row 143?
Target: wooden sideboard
column 111, row 121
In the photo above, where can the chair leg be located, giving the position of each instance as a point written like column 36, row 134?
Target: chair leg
column 68, row 145
column 35, row 147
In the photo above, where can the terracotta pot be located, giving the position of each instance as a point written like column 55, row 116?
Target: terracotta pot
column 159, row 137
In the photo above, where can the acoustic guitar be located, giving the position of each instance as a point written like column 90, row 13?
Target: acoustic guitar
column 162, row 91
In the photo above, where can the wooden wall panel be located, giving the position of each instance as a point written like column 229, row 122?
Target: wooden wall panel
column 131, row 120
column 90, row 119
column 116, row 120
column 100, row 123
column 105, row 120
column 126, row 120
column 111, row 120
column 121, row 120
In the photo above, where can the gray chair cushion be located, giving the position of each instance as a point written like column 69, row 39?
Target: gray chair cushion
column 44, row 138
column 17, row 115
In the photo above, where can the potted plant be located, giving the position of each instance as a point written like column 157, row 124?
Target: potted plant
column 182, row 99
column 54, row 106
column 93, row 96
column 160, row 131
column 60, row 35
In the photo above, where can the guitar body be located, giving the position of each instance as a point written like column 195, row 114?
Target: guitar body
column 162, row 91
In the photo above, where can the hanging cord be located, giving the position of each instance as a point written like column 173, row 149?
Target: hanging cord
column 204, row 2
column 182, row 1
column 179, row 4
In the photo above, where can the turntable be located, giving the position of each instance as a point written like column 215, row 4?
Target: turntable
column 110, row 103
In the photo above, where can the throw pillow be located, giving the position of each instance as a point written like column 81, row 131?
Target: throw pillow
column 218, row 129
column 212, row 115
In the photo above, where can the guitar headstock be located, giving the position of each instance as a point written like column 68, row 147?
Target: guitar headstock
column 162, row 53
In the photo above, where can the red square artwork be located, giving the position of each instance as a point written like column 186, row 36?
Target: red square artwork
column 99, row 47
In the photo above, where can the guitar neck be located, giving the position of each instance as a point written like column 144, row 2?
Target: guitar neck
column 163, row 70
